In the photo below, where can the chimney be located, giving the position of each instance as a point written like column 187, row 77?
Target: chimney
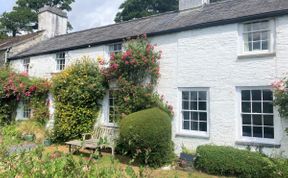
column 190, row 4
column 53, row 21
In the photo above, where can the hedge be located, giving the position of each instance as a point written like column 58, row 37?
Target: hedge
column 228, row 161
column 146, row 136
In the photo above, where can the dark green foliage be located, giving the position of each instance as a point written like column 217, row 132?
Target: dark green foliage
column 133, row 9
column 228, row 161
column 146, row 136
column 77, row 91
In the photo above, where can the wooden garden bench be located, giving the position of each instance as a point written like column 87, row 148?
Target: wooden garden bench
column 101, row 137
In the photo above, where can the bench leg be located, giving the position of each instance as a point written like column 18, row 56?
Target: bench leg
column 70, row 149
column 112, row 151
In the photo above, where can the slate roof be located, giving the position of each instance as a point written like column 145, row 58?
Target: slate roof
column 223, row 12
column 12, row 41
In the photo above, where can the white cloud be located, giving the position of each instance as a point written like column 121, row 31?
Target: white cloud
column 87, row 14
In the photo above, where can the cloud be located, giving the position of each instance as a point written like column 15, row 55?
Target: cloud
column 87, row 14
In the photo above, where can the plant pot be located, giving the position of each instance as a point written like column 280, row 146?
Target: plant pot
column 29, row 138
column 47, row 142
column 187, row 157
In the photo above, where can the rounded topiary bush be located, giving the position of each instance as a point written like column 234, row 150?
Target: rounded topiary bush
column 228, row 161
column 146, row 136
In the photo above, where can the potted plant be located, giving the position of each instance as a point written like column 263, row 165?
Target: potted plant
column 26, row 128
column 186, row 158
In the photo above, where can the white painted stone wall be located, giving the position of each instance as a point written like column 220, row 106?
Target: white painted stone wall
column 204, row 58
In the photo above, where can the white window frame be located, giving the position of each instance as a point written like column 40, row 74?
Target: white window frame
column 114, row 51
column 58, row 59
column 27, row 111
column 109, row 107
column 26, row 65
column 272, row 38
column 276, row 117
column 183, row 132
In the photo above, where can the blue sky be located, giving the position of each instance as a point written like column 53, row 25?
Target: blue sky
column 85, row 13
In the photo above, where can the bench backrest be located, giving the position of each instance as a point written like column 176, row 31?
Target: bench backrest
column 106, row 132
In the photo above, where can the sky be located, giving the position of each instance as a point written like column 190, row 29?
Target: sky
column 85, row 14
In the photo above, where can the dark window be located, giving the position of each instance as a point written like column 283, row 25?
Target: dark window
column 257, row 113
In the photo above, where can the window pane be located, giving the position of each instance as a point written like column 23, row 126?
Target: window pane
column 194, row 126
column 246, row 107
column 256, row 95
column 268, row 120
column 247, row 27
column 185, row 95
column 256, row 36
column 246, row 131
column 186, row 115
column 203, row 116
column 185, row 105
column 246, row 119
column 246, row 95
column 257, row 119
column 257, row 132
column 268, row 132
column 203, row 126
column 264, row 36
column 267, row 107
column 257, row 45
column 202, row 106
column 250, row 46
column 202, row 96
column 193, row 106
column 264, row 45
column 194, row 116
column 256, row 107
column 186, row 125
column 267, row 95
column 194, row 95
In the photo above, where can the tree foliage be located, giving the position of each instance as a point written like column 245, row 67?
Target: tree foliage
column 23, row 17
column 132, row 9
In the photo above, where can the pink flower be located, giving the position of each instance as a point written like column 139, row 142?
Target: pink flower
column 24, row 74
column 279, row 85
column 114, row 66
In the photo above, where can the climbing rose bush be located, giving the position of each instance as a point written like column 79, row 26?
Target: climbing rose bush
column 136, row 72
column 280, row 88
column 16, row 87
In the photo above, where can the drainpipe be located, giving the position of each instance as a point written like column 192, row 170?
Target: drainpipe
column 6, row 55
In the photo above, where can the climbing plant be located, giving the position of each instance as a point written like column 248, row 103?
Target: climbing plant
column 136, row 72
column 77, row 92
column 16, row 87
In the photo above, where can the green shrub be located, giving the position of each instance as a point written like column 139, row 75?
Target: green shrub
column 228, row 161
column 281, row 166
column 146, row 136
column 10, row 135
column 77, row 91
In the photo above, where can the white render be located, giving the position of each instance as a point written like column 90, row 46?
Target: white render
column 203, row 58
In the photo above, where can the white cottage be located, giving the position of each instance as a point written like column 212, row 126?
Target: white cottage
column 219, row 60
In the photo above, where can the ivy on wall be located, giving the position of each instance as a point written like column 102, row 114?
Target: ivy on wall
column 14, row 88
column 77, row 92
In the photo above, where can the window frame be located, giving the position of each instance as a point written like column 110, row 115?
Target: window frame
column 109, row 108
column 272, row 38
column 114, row 51
column 26, row 65
column 59, row 59
column 193, row 133
column 276, row 119
column 27, row 111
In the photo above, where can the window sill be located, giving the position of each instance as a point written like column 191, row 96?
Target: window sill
column 256, row 55
column 258, row 144
column 186, row 135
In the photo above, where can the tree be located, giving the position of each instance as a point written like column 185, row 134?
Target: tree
column 132, row 9
column 24, row 14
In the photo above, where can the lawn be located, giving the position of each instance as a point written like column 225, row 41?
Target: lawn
column 123, row 163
